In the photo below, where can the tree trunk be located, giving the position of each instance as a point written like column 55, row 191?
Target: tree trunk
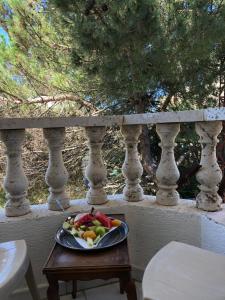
column 185, row 177
column 220, row 151
column 141, row 106
column 145, row 147
column 167, row 102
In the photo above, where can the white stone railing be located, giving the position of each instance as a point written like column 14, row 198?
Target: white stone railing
column 208, row 126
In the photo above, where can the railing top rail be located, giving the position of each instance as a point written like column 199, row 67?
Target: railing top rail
column 209, row 114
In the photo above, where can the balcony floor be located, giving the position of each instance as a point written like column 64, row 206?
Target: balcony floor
column 109, row 292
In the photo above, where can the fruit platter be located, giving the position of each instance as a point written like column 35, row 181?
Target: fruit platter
column 91, row 231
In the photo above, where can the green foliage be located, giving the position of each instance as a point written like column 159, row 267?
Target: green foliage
column 187, row 155
column 36, row 62
column 136, row 46
column 2, row 197
column 116, row 54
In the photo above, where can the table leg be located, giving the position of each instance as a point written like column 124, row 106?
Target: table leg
column 122, row 286
column 74, row 290
column 130, row 288
column 53, row 289
column 131, row 291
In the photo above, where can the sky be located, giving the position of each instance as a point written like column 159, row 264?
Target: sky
column 4, row 35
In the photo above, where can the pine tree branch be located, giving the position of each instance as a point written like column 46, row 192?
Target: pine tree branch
column 52, row 98
column 12, row 97
column 60, row 98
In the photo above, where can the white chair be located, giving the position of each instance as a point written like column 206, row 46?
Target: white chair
column 183, row 272
column 14, row 265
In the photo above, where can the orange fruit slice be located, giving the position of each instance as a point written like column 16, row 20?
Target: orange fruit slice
column 115, row 222
column 89, row 233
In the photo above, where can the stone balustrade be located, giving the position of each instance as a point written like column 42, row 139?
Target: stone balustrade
column 56, row 176
column 96, row 171
column 208, row 126
column 210, row 175
column 132, row 168
column 167, row 173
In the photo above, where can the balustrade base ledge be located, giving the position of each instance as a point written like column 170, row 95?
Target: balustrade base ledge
column 116, row 204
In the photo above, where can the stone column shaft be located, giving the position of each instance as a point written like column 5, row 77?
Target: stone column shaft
column 96, row 172
column 15, row 181
column 132, row 168
column 167, row 173
column 56, row 176
column 210, row 174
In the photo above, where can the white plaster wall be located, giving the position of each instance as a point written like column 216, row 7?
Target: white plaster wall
column 213, row 236
column 151, row 227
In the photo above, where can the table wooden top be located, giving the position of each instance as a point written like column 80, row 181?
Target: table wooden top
column 62, row 258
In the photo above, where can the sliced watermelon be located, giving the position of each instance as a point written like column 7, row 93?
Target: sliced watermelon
column 86, row 219
column 106, row 221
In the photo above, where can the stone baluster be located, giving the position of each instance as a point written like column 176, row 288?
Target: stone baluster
column 132, row 168
column 15, row 181
column 56, row 176
column 96, row 172
column 167, row 173
column 210, row 174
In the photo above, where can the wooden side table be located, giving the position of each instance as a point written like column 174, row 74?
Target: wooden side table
column 68, row 265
